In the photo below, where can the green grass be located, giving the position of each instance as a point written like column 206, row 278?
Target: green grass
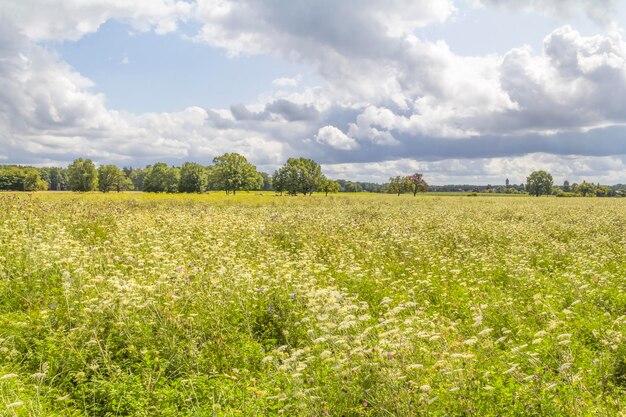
column 214, row 305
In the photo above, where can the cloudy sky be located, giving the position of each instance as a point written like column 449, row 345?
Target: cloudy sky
column 466, row 91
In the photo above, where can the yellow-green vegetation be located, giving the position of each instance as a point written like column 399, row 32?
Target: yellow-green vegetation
column 214, row 305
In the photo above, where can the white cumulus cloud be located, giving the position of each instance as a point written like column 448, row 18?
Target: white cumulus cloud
column 335, row 138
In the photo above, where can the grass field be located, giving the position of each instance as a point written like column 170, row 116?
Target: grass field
column 377, row 305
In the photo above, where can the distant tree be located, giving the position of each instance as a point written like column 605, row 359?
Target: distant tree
column 539, row 183
column 11, row 178
column 55, row 177
column 585, row 188
column 603, row 191
column 328, row 186
column 418, row 185
column 193, row 178
column 298, row 175
column 137, row 175
column 279, row 180
column 399, row 185
column 566, row 186
column 82, row 175
column 507, row 184
column 351, row 187
column 267, row 181
column 124, row 184
column 160, row 178
column 109, row 178
column 233, row 172
column 33, row 181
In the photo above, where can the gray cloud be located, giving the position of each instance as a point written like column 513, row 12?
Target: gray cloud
column 293, row 112
column 241, row 113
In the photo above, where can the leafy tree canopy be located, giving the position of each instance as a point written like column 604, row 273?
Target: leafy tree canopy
column 539, row 183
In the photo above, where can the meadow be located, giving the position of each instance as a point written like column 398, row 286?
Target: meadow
column 347, row 305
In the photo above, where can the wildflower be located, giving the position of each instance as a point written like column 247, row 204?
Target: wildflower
column 485, row 332
column 511, row 369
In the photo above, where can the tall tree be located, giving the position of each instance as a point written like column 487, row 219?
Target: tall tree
column 233, row 172
column 12, row 177
column 585, row 188
column 82, row 175
column 279, row 180
column 418, row 185
column 109, row 178
column 539, row 183
column 267, row 181
column 161, row 179
column 566, row 186
column 55, row 177
column 137, row 176
column 33, row 181
column 193, row 178
column 399, row 185
column 298, row 175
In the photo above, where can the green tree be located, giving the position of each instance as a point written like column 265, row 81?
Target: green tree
column 233, row 172
column 328, row 186
column 82, row 175
column 352, row 187
column 124, row 184
column 298, row 175
column 603, row 191
column 137, row 176
column 539, row 183
column 193, row 178
column 55, row 177
column 399, row 185
column 161, row 179
column 109, row 178
column 585, row 188
column 566, row 187
column 279, row 180
column 267, row 181
column 12, row 178
column 33, row 181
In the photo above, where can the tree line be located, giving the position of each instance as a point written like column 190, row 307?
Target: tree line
column 541, row 183
column 230, row 172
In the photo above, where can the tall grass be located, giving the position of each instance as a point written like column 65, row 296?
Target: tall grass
column 214, row 305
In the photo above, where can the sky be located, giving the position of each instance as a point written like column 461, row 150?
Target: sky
column 464, row 91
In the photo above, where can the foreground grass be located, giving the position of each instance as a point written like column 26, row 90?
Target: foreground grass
column 153, row 305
